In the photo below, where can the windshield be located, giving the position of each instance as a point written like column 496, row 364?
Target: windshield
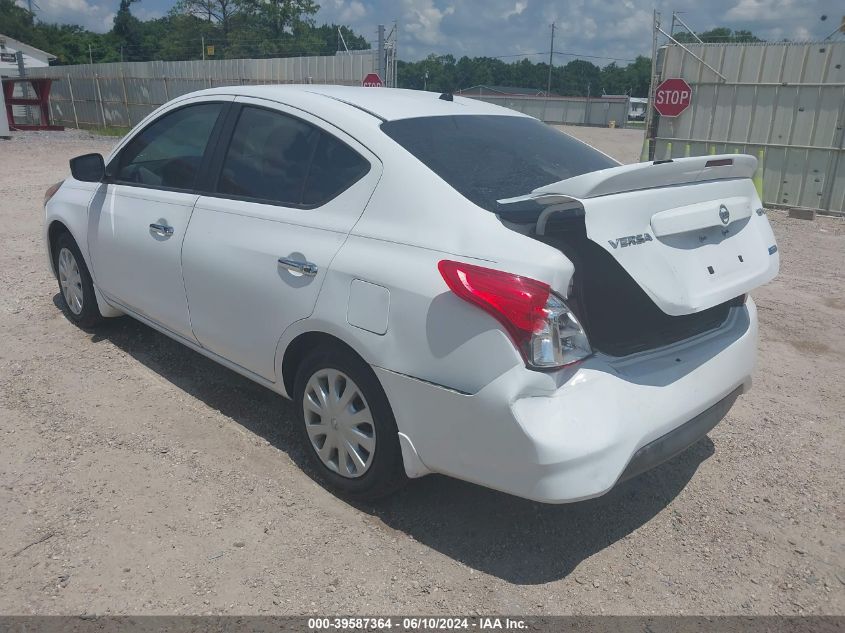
column 490, row 157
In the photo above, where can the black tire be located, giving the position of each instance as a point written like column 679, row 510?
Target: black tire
column 386, row 472
column 89, row 316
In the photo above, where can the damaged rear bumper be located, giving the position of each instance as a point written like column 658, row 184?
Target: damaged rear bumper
column 607, row 420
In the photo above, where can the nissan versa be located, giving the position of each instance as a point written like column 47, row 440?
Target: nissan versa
column 439, row 284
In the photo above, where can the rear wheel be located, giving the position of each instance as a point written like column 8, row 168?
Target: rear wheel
column 347, row 425
column 75, row 286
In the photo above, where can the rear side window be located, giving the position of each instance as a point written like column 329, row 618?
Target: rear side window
column 490, row 157
column 282, row 159
column 336, row 167
column 168, row 152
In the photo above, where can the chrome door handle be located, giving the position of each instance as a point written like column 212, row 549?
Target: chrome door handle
column 162, row 229
column 306, row 268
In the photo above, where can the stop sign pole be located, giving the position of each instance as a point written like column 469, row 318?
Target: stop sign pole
column 672, row 97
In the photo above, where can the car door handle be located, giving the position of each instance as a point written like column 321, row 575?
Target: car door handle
column 293, row 265
column 162, row 229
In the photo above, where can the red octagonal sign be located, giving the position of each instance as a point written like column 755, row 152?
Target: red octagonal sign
column 672, row 97
column 372, row 81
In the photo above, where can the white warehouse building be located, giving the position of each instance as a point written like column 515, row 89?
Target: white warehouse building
column 32, row 57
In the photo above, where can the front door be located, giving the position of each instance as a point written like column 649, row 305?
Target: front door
column 138, row 218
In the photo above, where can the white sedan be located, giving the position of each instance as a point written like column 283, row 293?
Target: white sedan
column 439, row 284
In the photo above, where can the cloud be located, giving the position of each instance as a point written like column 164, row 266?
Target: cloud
column 517, row 9
column 422, row 20
column 93, row 15
column 348, row 12
column 509, row 28
column 778, row 19
column 619, row 29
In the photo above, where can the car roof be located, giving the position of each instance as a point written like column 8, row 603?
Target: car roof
column 388, row 104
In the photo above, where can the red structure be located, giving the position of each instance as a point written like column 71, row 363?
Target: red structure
column 41, row 87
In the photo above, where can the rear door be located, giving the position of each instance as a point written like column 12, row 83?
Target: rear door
column 284, row 191
column 138, row 218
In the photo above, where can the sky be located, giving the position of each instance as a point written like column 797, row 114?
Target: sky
column 609, row 29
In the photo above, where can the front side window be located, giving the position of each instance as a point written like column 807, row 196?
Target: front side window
column 281, row 159
column 168, row 152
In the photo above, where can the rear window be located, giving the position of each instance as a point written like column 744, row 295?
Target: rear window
column 490, row 157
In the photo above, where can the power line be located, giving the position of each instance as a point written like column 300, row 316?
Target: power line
column 615, row 59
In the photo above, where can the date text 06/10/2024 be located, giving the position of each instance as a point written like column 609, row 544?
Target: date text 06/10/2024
column 415, row 623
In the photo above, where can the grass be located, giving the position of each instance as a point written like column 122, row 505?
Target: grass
column 108, row 131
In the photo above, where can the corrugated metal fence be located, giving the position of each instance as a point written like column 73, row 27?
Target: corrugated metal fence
column 122, row 94
column 565, row 110
column 786, row 100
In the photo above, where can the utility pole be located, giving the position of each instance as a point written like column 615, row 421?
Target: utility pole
column 549, row 83
column 380, row 66
column 90, row 55
column 647, row 152
column 395, row 54
column 551, row 57
column 203, row 48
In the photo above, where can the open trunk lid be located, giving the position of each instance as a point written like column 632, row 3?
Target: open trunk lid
column 691, row 232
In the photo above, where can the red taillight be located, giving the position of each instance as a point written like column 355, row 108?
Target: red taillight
column 516, row 302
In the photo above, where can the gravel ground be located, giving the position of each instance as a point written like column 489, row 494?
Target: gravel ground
column 625, row 145
column 138, row 477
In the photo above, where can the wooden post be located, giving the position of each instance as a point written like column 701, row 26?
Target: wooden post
column 72, row 101
column 126, row 100
column 100, row 97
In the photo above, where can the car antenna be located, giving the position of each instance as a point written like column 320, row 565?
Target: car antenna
column 447, row 96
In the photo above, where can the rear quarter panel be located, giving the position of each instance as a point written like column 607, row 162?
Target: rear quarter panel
column 413, row 221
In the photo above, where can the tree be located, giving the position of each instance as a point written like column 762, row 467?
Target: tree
column 718, row 35
column 17, row 22
column 329, row 40
column 127, row 30
column 221, row 12
column 275, row 18
column 579, row 78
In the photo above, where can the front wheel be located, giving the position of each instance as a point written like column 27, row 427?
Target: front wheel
column 347, row 425
column 75, row 284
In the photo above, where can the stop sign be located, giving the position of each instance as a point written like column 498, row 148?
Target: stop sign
column 672, row 97
column 372, row 81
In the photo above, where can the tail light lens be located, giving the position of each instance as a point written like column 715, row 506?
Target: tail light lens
column 51, row 192
column 542, row 327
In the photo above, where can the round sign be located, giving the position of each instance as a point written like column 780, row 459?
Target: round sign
column 372, row 81
column 672, row 97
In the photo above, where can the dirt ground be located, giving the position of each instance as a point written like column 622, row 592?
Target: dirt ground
column 138, row 477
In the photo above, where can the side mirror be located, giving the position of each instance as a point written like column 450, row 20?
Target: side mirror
column 88, row 167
